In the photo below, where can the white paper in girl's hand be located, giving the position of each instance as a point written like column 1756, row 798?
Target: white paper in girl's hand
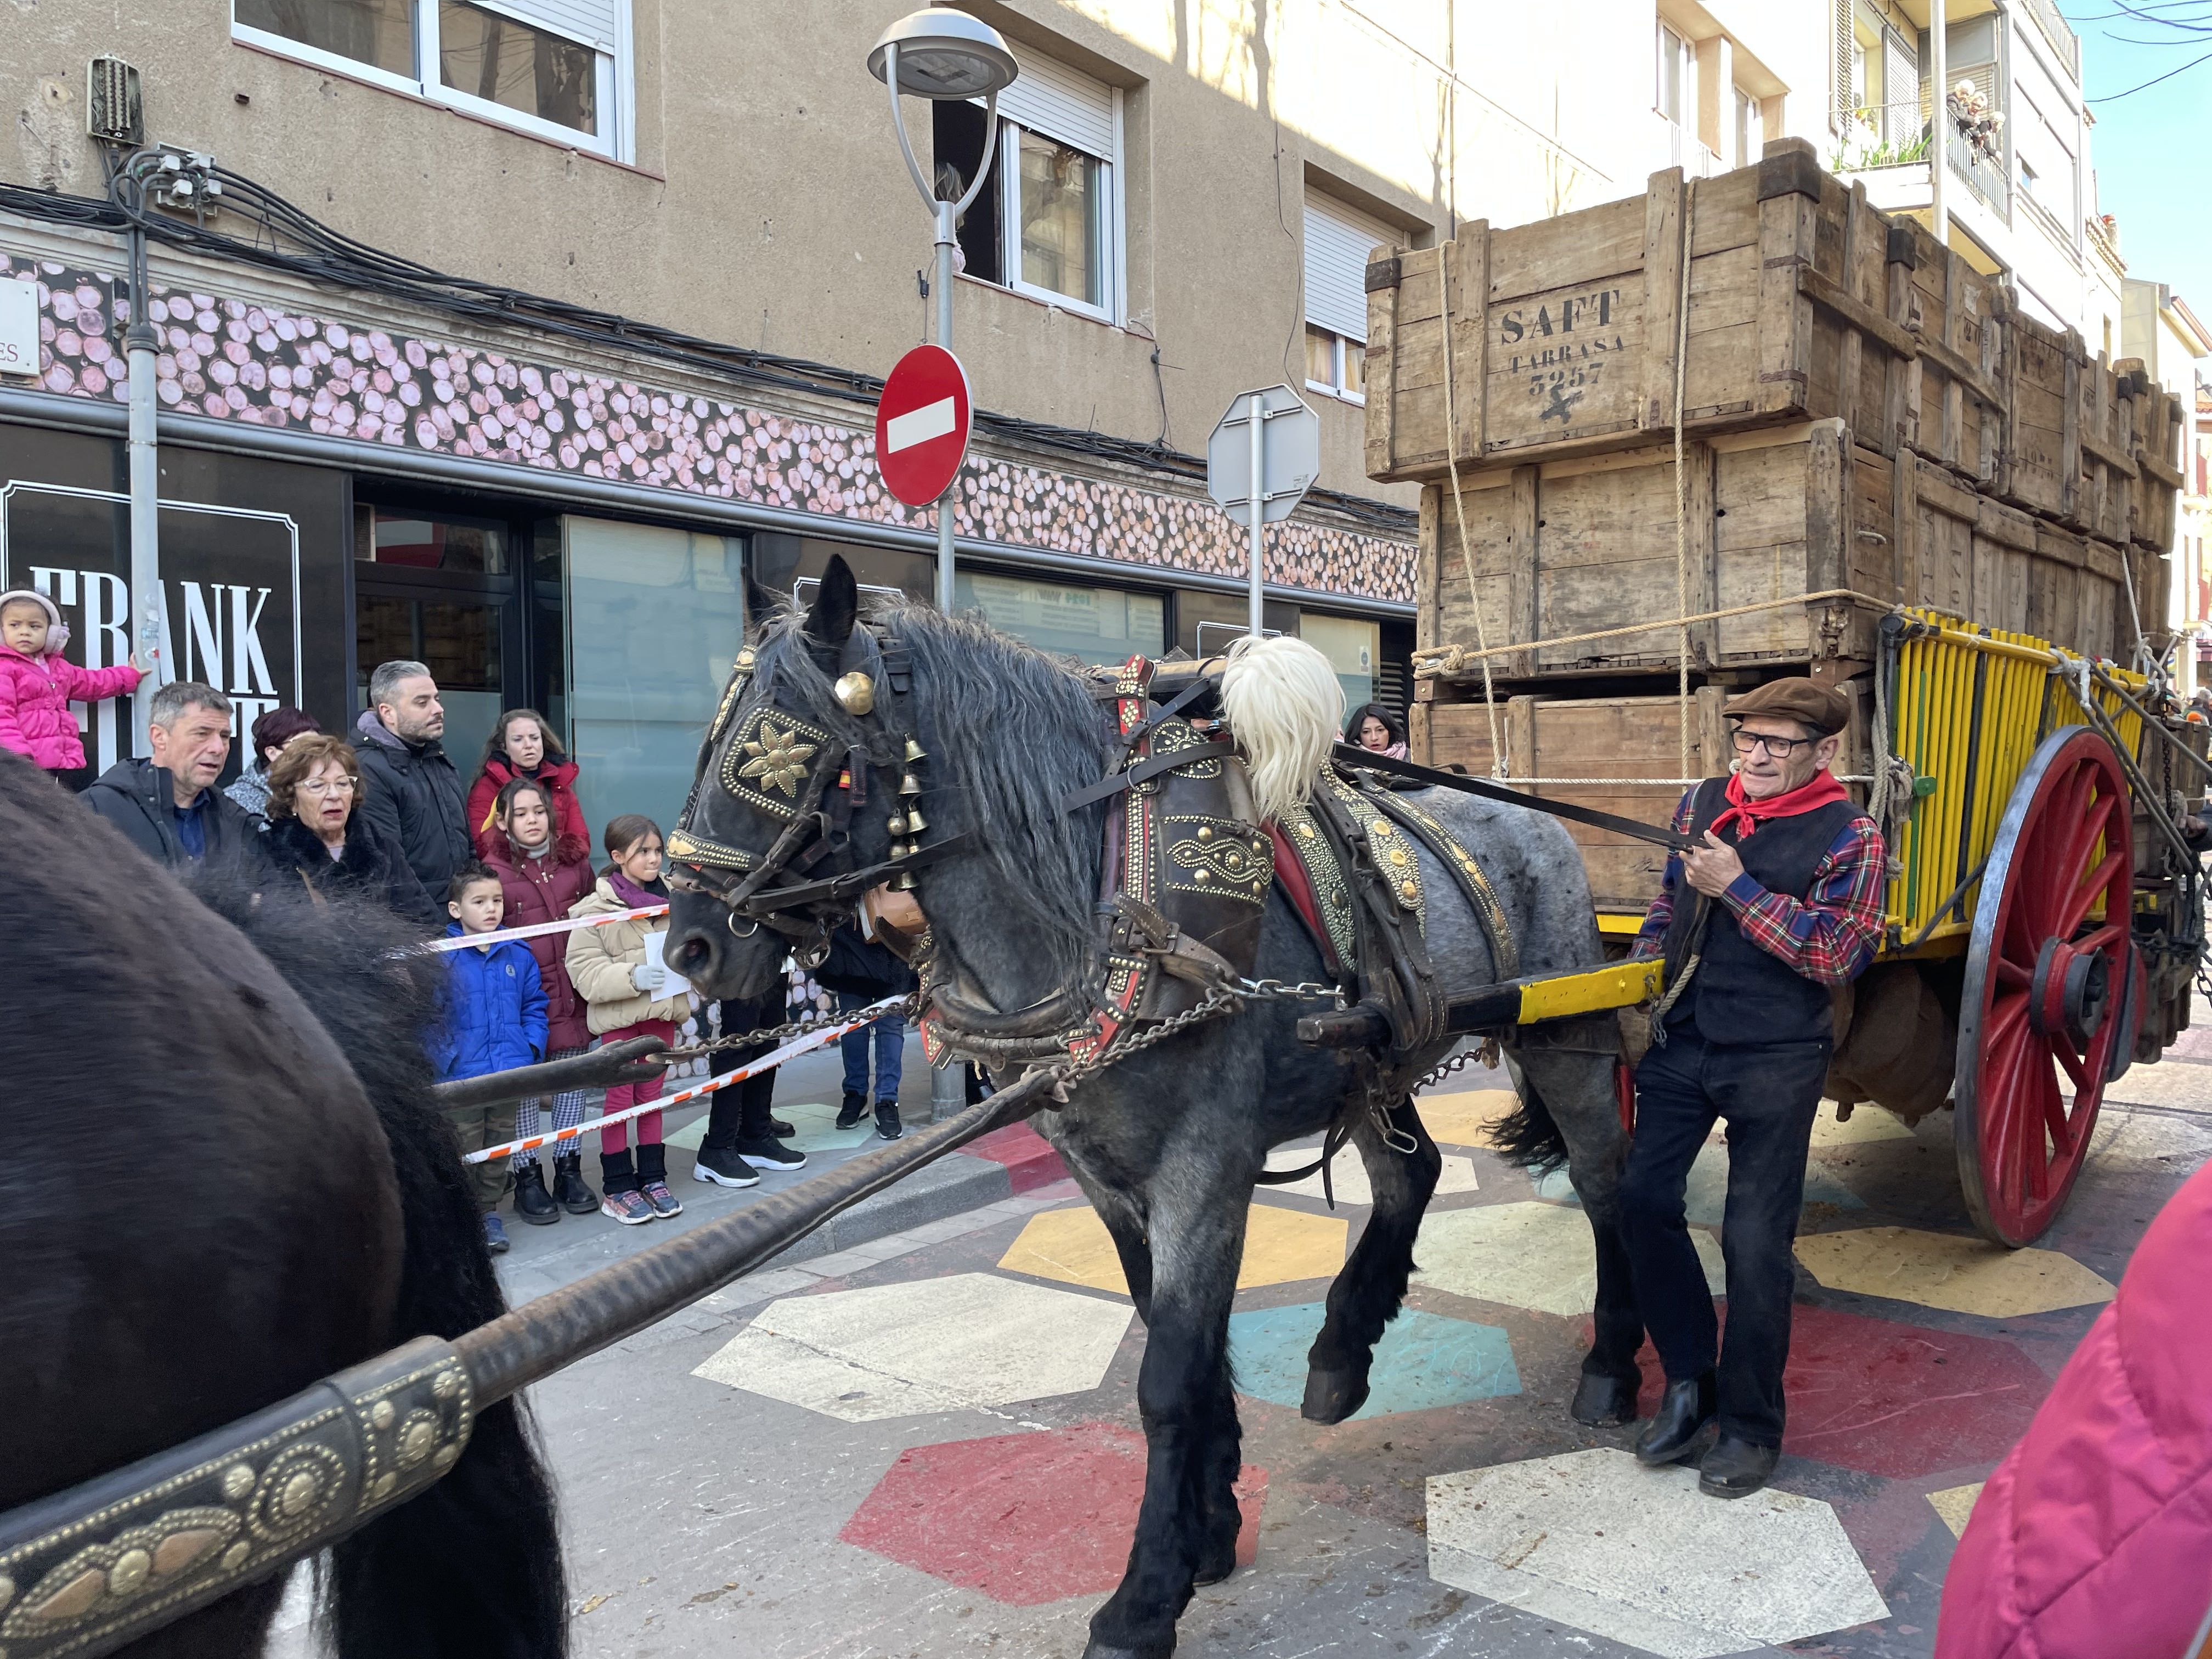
column 675, row 984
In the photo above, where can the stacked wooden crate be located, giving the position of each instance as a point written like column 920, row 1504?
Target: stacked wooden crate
column 1864, row 421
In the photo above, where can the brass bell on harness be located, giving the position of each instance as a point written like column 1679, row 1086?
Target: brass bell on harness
column 897, row 824
column 914, row 751
column 903, row 882
column 855, row 692
column 914, row 823
column 910, row 784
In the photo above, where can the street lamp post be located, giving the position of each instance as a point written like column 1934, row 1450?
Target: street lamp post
column 941, row 54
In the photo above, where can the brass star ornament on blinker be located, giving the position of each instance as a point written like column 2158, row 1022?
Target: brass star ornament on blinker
column 778, row 759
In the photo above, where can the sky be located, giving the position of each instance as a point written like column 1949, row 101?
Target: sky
column 2150, row 149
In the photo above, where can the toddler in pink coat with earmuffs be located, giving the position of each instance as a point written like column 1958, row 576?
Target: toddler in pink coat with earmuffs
column 37, row 684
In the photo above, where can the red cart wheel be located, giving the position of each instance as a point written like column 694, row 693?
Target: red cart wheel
column 2047, row 971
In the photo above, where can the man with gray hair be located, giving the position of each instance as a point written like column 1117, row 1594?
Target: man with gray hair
column 168, row 806
column 414, row 797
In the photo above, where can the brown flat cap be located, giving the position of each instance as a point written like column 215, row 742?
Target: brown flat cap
column 1815, row 707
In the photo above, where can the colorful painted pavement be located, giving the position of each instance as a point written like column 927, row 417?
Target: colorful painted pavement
column 934, row 1448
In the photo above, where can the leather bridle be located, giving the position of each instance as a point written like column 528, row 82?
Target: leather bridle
column 808, row 880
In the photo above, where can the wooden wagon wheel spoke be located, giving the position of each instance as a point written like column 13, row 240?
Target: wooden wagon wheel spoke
column 2040, row 1009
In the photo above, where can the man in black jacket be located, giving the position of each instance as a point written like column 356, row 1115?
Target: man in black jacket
column 415, row 797
column 168, row 806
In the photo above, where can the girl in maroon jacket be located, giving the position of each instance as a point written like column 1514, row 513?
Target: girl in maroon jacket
column 541, row 871
column 522, row 746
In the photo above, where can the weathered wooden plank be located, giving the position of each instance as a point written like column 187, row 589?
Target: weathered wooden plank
column 1663, row 254
column 1380, row 454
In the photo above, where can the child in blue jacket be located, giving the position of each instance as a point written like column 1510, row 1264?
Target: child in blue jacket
column 494, row 1020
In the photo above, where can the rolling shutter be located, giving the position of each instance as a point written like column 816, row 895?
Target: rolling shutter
column 1058, row 101
column 1842, row 96
column 592, row 21
column 1339, row 239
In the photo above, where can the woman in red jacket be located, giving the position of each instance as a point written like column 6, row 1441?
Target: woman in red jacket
column 541, row 873
column 2094, row 1538
column 522, row 746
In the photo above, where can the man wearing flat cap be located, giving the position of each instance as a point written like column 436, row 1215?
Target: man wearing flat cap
column 1780, row 902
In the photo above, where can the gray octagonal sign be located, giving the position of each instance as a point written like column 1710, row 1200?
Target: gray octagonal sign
column 1291, row 454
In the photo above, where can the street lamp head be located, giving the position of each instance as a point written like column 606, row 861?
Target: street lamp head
column 944, row 54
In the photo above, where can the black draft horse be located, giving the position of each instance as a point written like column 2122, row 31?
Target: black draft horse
column 1167, row 1144
column 226, row 1179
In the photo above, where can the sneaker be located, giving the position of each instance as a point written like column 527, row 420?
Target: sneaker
column 722, row 1167
column 851, row 1109
column 781, row 1128
column 532, row 1203
column 494, row 1234
column 629, row 1208
column 767, row 1152
column 887, row 1120
column 665, row 1203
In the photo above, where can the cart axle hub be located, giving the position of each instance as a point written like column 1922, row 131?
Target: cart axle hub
column 2071, row 994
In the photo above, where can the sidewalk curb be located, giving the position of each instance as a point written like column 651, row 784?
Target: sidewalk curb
column 953, row 1185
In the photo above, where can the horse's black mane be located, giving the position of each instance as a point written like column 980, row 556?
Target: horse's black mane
column 1009, row 731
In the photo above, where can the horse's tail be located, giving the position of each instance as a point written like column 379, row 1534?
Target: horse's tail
column 472, row 1567
column 1528, row 1137
column 1285, row 706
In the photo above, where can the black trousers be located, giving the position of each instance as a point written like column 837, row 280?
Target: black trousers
column 1768, row 1093
column 741, row 1111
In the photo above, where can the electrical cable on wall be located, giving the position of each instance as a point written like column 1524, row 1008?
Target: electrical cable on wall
column 327, row 256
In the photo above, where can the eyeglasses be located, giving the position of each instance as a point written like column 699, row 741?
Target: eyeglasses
column 1779, row 748
column 328, row 785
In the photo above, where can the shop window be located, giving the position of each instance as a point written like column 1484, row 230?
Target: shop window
column 1049, row 223
column 410, row 540
column 549, row 66
column 1207, row 623
column 655, row 620
column 1091, row 624
column 458, row 641
column 1352, row 646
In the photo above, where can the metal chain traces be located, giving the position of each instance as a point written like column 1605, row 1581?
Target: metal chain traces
column 1482, row 1053
column 769, row 1037
column 1261, row 990
column 1070, row 1072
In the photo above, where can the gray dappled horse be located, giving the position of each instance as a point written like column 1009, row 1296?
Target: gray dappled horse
column 1168, row 1143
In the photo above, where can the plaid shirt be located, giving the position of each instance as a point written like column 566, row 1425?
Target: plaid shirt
column 1829, row 936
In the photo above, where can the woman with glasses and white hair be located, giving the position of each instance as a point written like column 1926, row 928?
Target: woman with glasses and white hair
column 316, row 834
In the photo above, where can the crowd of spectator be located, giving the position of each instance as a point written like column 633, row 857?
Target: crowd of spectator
column 382, row 814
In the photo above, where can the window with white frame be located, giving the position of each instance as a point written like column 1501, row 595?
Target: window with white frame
column 554, row 68
column 1750, row 132
column 1676, row 95
column 1048, row 224
column 1339, row 239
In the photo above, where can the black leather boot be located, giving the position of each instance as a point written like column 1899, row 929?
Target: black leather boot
column 1735, row 1468
column 569, row 1191
column 532, row 1201
column 1684, row 1410
column 1603, row 1402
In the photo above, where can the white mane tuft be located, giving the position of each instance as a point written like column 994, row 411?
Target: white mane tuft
column 1285, row 707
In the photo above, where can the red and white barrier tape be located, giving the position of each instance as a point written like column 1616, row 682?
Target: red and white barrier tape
column 538, row 929
column 767, row 1062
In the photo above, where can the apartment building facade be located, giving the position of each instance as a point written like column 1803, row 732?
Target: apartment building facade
column 538, row 338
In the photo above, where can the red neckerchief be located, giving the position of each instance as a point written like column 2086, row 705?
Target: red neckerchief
column 1815, row 792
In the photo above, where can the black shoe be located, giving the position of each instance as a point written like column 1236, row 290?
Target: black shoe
column 851, row 1109
column 1735, row 1468
column 569, row 1191
column 721, row 1166
column 1684, row 1410
column 887, row 1120
column 767, row 1152
column 781, row 1128
column 1603, row 1402
column 532, row 1201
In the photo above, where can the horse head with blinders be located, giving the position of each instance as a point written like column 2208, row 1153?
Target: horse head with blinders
column 802, row 802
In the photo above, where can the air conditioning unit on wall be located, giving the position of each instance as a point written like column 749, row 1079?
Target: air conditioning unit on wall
column 113, row 111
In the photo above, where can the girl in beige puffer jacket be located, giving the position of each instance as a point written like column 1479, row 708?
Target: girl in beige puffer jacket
column 628, row 996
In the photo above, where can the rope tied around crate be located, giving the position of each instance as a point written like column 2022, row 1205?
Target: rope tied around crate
column 1441, row 662
column 1682, row 485
column 1498, row 765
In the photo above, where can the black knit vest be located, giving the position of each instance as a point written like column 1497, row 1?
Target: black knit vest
column 1740, row 994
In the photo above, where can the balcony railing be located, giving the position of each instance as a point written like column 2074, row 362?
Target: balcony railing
column 2064, row 41
column 1897, row 135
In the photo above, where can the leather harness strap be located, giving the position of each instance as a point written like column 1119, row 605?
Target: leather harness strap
column 1370, row 761
column 1144, row 772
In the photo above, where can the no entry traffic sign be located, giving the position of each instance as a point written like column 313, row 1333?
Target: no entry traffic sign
column 922, row 423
